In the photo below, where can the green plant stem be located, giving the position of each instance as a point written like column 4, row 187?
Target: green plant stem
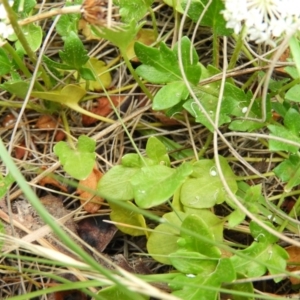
column 285, row 222
column 20, row 105
column 48, row 219
column 216, row 51
column 293, row 193
column 118, row 115
column 237, row 50
column 250, row 177
column 254, row 159
column 206, row 145
column 9, row 49
column 134, row 75
column 67, row 129
column 247, row 84
column 154, row 23
column 22, row 39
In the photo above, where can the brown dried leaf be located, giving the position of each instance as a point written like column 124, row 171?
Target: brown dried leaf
column 20, row 150
column 95, row 232
column 52, row 181
column 46, row 122
column 103, row 109
column 90, row 183
column 165, row 120
column 294, row 253
column 8, row 120
column 49, row 122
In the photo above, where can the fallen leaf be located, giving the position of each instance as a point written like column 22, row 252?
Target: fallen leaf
column 52, row 181
column 165, row 120
column 70, row 295
column 46, row 122
column 95, row 232
column 20, row 150
column 90, row 183
column 8, row 120
column 49, row 122
column 103, row 109
column 294, row 253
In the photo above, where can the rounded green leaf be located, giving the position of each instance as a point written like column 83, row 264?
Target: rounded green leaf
column 163, row 240
column 126, row 216
column 77, row 162
column 154, row 185
column 115, row 184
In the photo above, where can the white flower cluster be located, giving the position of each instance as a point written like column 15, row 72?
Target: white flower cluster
column 5, row 29
column 264, row 20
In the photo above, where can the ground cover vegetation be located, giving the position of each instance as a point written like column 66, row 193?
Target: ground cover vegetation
column 149, row 149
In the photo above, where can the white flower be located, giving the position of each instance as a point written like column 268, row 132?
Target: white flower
column 5, row 29
column 3, row 14
column 264, row 20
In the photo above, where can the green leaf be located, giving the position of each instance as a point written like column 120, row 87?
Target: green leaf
column 162, row 66
column 77, row 162
column 157, row 151
column 53, row 64
column 74, row 53
column 177, row 151
column 5, row 63
column 190, row 60
column 133, row 160
column 205, row 189
column 159, row 65
column 133, row 10
column 246, row 287
column 170, row 95
column 212, row 17
column 119, row 36
column 262, row 235
column 116, row 185
column 68, row 95
column 285, row 133
column 293, row 93
column 262, row 255
column 86, row 74
column 235, row 218
column 190, row 287
column 114, row 292
column 126, row 216
column 154, row 185
column 289, row 171
column 5, row 183
column 34, row 36
column 98, row 68
column 67, row 24
column 295, row 50
column 209, row 103
column 23, row 6
column 215, row 224
column 163, row 240
column 190, row 243
column 291, row 121
column 250, row 199
column 18, row 88
column 189, row 262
